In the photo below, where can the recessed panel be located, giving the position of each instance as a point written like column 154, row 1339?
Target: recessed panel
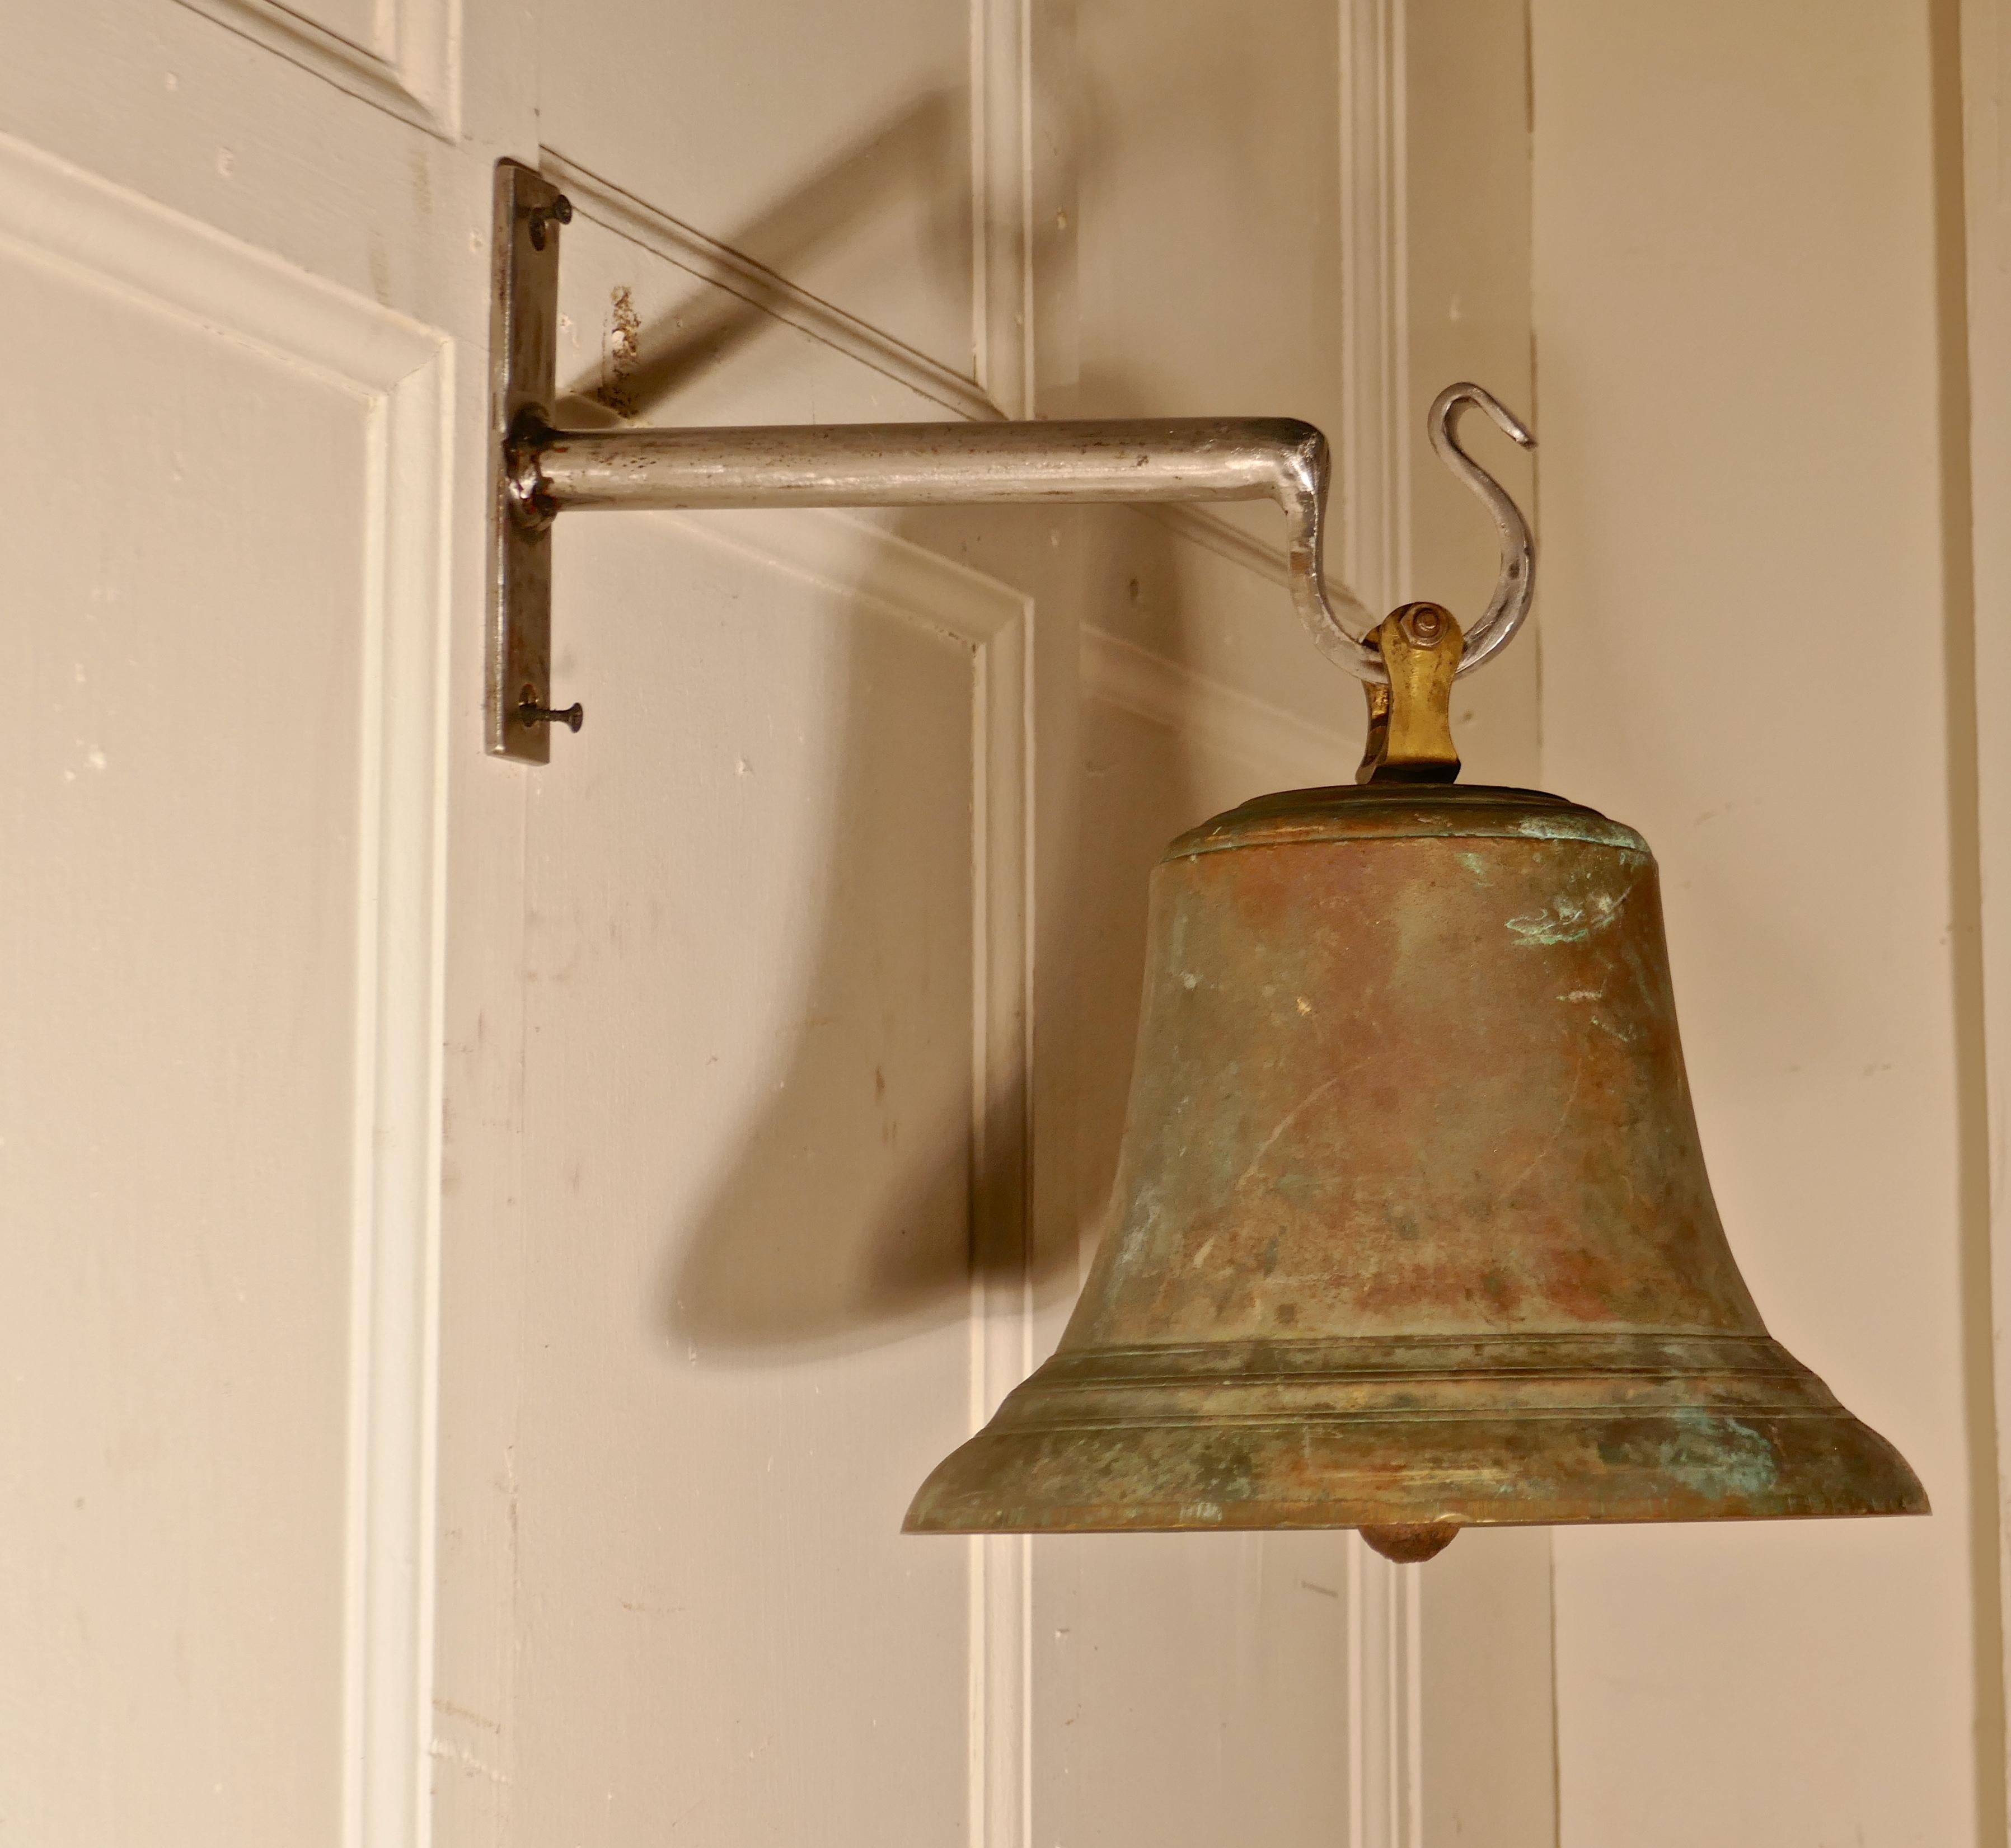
column 1210, row 257
column 747, row 1169
column 404, row 55
column 187, row 636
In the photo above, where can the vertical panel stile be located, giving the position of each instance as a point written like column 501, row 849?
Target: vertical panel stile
column 1003, row 337
column 1985, row 56
column 1001, row 104
column 1373, row 474
column 404, row 1018
column 1373, row 442
column 1001, row 1322
column 1385, row 1744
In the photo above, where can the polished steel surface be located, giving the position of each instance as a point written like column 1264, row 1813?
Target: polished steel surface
column 1516, row 582
column 921, row 465
column 1411, row 1230
column 918, row 464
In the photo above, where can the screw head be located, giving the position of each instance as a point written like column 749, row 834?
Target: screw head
column 530, row 713
column 559, row 212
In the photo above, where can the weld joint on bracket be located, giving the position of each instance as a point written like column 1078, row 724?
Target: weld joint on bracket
column 526, row 492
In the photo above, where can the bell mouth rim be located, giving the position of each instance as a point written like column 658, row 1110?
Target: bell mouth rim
column 1364, row 812
column 1460, row 1523
column 1468, row 1484
column 1231, row 1437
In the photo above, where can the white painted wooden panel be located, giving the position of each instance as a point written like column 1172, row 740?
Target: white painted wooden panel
column 1210, row 194
column 748, row 1123
column 914, row 167
column 1753, row 653
column 1459, row 127
column 1985, row 676
column 778, row 1332
column 297, row 620
column 403, row 56
column 1211, row 1693
column 682, row 327
column 831, row 144
column 217, row 1101
column 177, row 1303
column 1210, row 254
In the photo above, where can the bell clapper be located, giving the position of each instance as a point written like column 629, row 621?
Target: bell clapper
column 1409, row 716
column 1413, row 1543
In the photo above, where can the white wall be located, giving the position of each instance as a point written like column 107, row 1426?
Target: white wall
column 1746, row 329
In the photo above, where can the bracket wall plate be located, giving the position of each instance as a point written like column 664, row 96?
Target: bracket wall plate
column 523, row 359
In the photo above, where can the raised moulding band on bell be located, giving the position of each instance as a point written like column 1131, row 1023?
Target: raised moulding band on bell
column 1411, row 1230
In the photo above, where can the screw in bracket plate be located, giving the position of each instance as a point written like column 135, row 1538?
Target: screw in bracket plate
column 530, row 714
column 559, row 212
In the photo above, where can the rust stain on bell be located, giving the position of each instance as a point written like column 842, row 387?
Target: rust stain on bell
column 1411, row 1229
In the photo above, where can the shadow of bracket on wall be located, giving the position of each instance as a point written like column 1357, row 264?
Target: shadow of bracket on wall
column 538, row 472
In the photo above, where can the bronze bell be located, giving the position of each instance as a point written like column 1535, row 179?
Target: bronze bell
column 1411, row 1230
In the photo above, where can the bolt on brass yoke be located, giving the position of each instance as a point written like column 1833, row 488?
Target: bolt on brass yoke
column 538, row 472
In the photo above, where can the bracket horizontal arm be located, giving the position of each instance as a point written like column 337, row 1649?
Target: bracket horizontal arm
column 957, row 465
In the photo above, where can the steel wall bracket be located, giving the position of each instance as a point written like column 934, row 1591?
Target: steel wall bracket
column 537, row 472
column 523, row 348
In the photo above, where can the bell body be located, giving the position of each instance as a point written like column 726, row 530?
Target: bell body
column 1411, row 1229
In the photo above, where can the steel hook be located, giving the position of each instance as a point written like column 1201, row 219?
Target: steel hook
column 1511, row 602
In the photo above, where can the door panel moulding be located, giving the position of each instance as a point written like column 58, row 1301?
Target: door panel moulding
column 54, row 214
column 1984, row 58
column 1373, row 466
column 1001, row 204
column 414, row 72
column 1372, row 479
